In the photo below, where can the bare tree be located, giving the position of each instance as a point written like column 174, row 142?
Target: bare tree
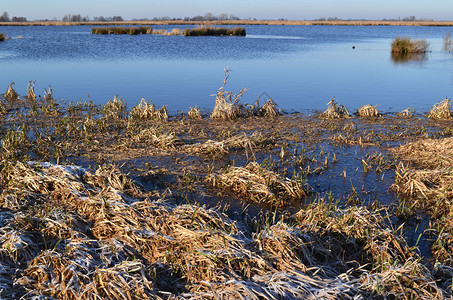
column 4, row 17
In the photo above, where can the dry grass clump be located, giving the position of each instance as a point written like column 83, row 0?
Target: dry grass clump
column 31, row 90
column 147, row 111
column 406, row 113
column 428, row 153
column 269, row 109
column 227, row 105
column 335, row 111
column 222, row 148
column 261, row 185
column 368, row 111
column 406, row 45
column 194, row 113
column 115, row 109
column 441, row 110
column 11, row 93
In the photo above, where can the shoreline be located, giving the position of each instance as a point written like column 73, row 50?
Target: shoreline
column 236, row 22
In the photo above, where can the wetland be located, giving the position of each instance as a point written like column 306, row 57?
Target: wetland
column 271, row 188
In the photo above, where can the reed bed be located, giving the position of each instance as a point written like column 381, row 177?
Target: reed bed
column 441, row 110
column 135, row 31
column 215, row 31
column 260, row 184
column 368, row 111
column 335, row 111
column 122, row 30
column 406, row 45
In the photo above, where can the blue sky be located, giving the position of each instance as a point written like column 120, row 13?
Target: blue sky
column 260, row 9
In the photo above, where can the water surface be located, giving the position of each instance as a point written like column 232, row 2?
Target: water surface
column 300, row 67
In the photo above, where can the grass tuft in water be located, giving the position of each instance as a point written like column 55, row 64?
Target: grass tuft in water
column 335, row 111
column 11, row 93
column 368, row 111
column 406, row 45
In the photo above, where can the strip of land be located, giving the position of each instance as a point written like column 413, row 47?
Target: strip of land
column 236, row 22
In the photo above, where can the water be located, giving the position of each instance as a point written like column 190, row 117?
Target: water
column 300, row 67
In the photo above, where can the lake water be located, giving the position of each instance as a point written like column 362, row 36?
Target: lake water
column 300, row 67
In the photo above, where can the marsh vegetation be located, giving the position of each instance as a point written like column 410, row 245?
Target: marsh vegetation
column 111, row 202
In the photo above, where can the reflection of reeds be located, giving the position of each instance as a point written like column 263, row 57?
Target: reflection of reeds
column 448, row 43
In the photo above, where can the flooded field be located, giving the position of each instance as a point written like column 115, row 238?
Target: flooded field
column 125, row 202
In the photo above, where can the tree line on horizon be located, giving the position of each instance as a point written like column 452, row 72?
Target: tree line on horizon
column 198, row 18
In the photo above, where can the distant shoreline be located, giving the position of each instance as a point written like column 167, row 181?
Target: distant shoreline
column 235, row 22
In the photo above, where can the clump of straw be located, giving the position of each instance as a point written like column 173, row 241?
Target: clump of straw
column 115, row 109
column 406, row 113
column 147, row 111
column 269, row 109
column 11, row 93
column 261, row 185
column 31, row 90
column 194, row 113
column 335, row 111
column 368, row 111
column 441, row 110
column 226, row 104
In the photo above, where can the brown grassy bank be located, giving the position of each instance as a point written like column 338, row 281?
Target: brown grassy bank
column 232, row 22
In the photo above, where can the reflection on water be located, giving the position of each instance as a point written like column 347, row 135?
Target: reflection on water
column 402, row 58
